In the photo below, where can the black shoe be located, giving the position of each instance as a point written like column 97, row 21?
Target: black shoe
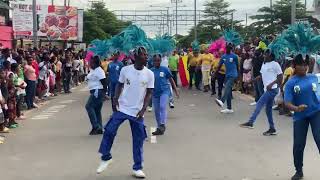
column 297, row 176
column 99, row 131
column 247, row 125
column 92, row 132
column 213, row 93
column 270, row 132
column 158, row 132
column 96, row 132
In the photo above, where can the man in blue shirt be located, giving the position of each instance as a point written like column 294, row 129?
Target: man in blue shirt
column 230, row 60
column 114, row 69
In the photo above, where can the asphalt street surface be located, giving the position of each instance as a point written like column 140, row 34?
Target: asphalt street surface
column 200, row 144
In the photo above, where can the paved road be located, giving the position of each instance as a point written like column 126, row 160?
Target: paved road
column 201, row 144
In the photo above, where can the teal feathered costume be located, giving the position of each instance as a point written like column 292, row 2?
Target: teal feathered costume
column 297, row 39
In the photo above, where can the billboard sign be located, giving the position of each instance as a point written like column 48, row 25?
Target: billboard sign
column 54, row 22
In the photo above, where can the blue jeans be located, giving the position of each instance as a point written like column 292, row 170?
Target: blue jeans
column 266, row 99
column 258, row 88
column 139, row 134
column 30, row 93
column 93, row 107
column 300, row 131
column 160, row 108
column 228, row 91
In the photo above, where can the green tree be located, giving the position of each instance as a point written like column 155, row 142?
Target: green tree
column 272, row 21
column 100, row 23
column 218, row 15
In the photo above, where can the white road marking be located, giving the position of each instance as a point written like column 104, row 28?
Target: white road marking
column 153, row 139
column 46, row 114
column 40, row 117
column 67, row 101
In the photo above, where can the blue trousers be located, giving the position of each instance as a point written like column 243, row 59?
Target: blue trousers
column 258, row 88
column 228, row 91
column 300, row 131
column 266, row 99
column 30, row 92
column 160, row 108
column 139, row 134
column 112, row 92
column 93, row 107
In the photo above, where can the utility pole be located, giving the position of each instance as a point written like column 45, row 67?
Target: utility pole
column 68, row 2
column 52, row 2
column 65, row 3
column 305, row 4
column 176, row 17
column 232, row 20
column 35, row 23
column 195, row 19
column 168, row 25
column 246, row 19
column 293, row 11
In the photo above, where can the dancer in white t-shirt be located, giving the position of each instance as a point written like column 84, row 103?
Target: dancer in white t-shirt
column 132, row 96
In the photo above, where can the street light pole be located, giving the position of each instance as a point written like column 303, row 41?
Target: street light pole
column 293, row 11
column 232, row 20
column 35, row 25
column 176, row 17
column 195, row 19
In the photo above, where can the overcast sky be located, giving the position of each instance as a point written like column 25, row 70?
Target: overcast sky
column 242, row 6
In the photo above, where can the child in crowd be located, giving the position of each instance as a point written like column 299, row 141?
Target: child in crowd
column 247, row 73
column 20, row 86
column 12, row 101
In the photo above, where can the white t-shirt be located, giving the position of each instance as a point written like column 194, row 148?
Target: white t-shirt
column 270, row 72
column 247, row 64
column 135, row 88
column 94, row 78
column 164, row 61
column 43, row 71
column 76, row 65
column 11, row 60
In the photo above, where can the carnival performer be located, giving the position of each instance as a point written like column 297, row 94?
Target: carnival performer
column 133, row 93
column 97, row 85
column 114, row 69
column 230, row 60
column 193, row 59
column 300, row 96
column 271, row 74
column 206, row 61
column 161, row 93
column 220, row 76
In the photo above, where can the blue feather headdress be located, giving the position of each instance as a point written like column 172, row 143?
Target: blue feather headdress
column 298, row 39
column 279, row 47
column 101, row 48
column 233, row 37
column 128, row 40
column 195, row 46
column 162, row 45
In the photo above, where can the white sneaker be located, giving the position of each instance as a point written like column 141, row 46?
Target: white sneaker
column 227, row 111
column 219, row 102
column 253, row 104
column 274, row 107
column 149, row 109
column 103, row 166
column 171, row 104
column 139, row 174
column 35, row 105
